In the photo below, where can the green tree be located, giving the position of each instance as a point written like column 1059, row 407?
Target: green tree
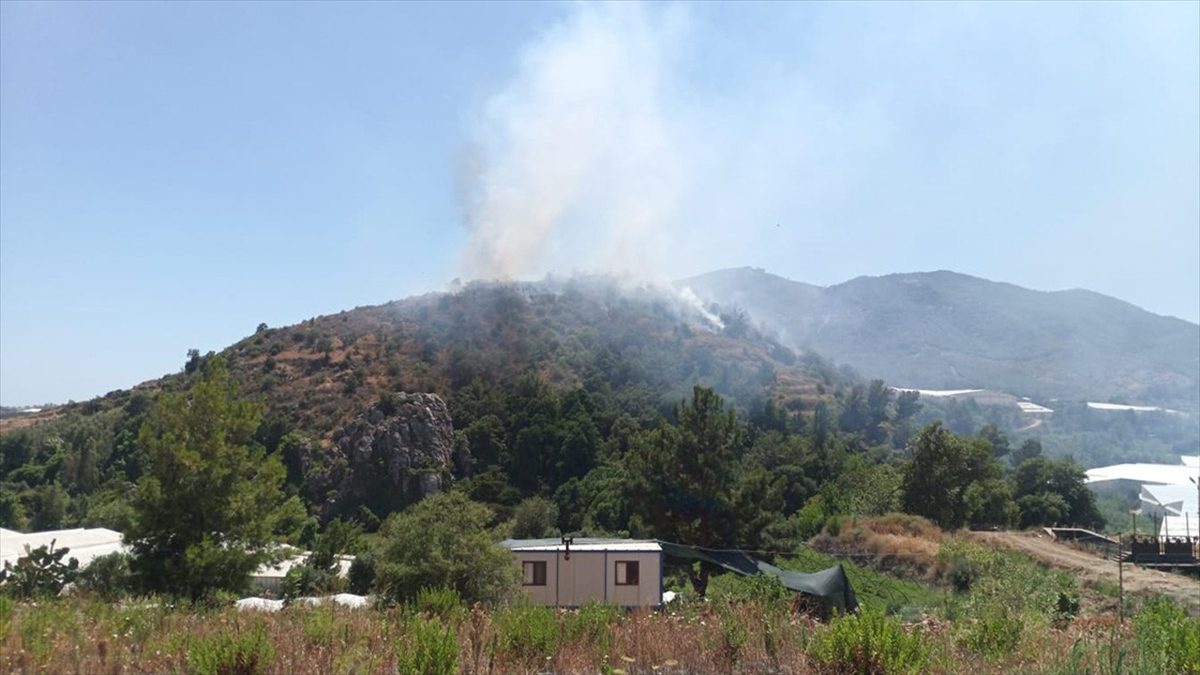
column 1031, row 448
column 597, row 503
column 943, row 466
column 682, row 478
column 995, row 438
column 534, row 518
column 443, row 540
column 211, row 501
column 989, row 503
column 879, row 397
column 50, row 507
column 1061, row 478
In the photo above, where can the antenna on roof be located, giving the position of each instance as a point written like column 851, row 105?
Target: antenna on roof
column 567, row 541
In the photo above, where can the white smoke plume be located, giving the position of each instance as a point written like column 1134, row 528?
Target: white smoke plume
column 692, row 300
column 578, row 160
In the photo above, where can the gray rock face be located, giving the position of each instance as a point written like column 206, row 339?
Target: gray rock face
column 397, row 452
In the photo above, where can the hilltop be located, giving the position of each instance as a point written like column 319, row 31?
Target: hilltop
column 944, row 330
column 587, row 333
column 642, row 343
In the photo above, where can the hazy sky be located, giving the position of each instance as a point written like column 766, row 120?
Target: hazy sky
column 173, row 174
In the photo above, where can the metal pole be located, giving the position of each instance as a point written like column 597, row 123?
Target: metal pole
column 1120, row 579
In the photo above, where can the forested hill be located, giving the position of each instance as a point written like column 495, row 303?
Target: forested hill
column 610, row 407
column 543, row 382
column 943, row 330
column 643, row 346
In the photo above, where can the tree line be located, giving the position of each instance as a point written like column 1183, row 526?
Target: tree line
column 209, row 497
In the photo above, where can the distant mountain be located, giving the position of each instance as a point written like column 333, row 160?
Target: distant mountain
column 944, row 330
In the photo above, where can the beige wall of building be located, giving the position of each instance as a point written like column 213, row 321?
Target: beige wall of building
column 592, row 576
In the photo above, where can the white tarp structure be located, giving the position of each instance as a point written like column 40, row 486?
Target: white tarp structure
column 270, row 577
column 1031, row 408
column 1130, row 408
column 1153, row 474
column 1168, row 492
column 1176, row 506
column 86, row 544
column 348, row 600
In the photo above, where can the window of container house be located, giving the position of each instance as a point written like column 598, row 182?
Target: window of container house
column 627, row 573
column 535, row 572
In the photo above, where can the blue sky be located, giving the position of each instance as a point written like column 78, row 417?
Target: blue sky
column 173, row 174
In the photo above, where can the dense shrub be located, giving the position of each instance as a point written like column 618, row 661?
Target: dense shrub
column 526, row 631
column 41, row 572
column 442, row 602
column 1168, row 640
column 592, row 624
column 535, row 517
column 443, row 541
column 427, row 648
column 107, row 576
column 995, row 635
column 362, row 573
column 232, row 653
column 868, row 643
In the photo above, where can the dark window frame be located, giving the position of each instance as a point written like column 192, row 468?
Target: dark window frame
column 539, row 573
column 632, row 572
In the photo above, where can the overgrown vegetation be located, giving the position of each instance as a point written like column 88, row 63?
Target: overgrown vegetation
column 746, row 635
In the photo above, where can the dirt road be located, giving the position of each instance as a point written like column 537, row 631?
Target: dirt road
column 1090, row 568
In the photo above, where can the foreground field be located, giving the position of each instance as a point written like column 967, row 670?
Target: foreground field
column 932, row 602
column 707, row 637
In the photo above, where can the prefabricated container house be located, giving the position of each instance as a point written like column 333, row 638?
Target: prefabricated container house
column 623, row 572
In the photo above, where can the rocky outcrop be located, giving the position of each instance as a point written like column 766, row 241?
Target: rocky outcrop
column 397, row 452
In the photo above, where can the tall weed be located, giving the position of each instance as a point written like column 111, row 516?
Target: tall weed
column 995, row 635
column 591, row 624
column 232, row 653
column 1168, row 641
column 443, row 602
column 527, row 631
column 427, row 648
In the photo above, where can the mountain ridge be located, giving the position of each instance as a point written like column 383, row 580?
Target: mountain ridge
column 946, row 330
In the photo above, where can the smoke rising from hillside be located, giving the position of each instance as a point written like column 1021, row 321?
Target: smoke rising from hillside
column 580, row 163
column 628, row 143
column 661, row 141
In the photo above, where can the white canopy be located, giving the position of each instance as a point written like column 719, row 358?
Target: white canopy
column 1154, row 474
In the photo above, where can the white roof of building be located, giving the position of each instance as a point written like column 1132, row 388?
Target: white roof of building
column 1033, row 408
column 281, row 569
column 1135, row 408
column 932, row 393
column 1174, row 500
column 1159, row 474
column 85, row 544
column 582, row 544
column 1190, row 460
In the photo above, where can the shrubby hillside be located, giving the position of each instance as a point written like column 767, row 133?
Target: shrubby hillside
column 529, row 372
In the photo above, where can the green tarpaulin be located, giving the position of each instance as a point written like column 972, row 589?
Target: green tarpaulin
column 831, row 584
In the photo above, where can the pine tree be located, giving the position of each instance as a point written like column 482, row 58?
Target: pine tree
column 210, row 503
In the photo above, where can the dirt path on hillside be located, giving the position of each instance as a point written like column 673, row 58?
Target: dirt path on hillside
column 1036, row 423
column 1089, row 567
